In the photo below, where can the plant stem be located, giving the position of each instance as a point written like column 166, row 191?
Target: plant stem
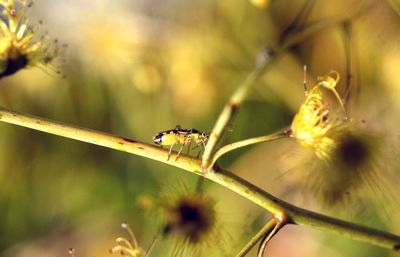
column 83, row 134
column 280, row 220
column 267, row 228
column 232, row 107
column 267, row 232
column 255, row 140
column 224, row 178
column 292, row 37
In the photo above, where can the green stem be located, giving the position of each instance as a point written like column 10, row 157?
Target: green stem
column 255, row 140
column 85, row 135
column 232, row 107
column 279, row 222
column 266, row 229
column 290, row 39
column 224, row 178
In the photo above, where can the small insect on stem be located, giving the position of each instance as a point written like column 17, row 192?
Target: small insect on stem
column 181, row 136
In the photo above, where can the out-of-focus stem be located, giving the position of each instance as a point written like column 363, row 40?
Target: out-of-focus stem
column 232, row 107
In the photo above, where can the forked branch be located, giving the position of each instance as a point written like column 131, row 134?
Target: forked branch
column 224, row 178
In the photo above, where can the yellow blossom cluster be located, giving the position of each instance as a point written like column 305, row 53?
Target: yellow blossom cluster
column 21, row 44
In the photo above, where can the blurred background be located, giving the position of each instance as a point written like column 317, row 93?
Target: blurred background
column 135, row 68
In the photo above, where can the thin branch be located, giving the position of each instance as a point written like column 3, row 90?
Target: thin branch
column 232, row 107
column 86, row 135
column 280, row 220
column 224, row 178
column 255, row 140
column 298, row 22
column 301, row 216
column 264, row 59
column 266, row 232
column 257, row 237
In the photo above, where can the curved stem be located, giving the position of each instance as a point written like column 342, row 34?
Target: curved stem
column 301, row 216
column 224, row 178
column 292, row 37
column 280, row 220
column 267, row 228
column 255, row 140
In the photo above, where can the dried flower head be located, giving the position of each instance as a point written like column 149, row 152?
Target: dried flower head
column 351, row 162
column 316, row 117
column 190, row 220
column 351, row 168
column 21, row 44
column 191, row 217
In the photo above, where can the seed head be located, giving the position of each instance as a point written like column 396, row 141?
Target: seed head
column 349, row 163
column 21, row 44
column 190, row 220
column 191, row 217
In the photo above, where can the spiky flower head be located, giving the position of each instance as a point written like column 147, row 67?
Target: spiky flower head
column 315, row 119
column 190, row 221
column 350, row 163
column 350, row 169
column 21, row 44
column 191, row 217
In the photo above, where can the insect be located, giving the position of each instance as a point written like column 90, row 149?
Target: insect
column 180, row 136
column 316, row 116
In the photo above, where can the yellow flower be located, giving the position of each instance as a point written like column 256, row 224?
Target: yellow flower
column 21, row 45
column 128, row 247
column 352, row 164
column 317, row 117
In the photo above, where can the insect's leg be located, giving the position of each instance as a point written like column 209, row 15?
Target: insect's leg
column 188, row 147
column 194, row 147
column 169, row 152
column 179, row 152
column 202, row 145
column 198, row 154
column 186, row 141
